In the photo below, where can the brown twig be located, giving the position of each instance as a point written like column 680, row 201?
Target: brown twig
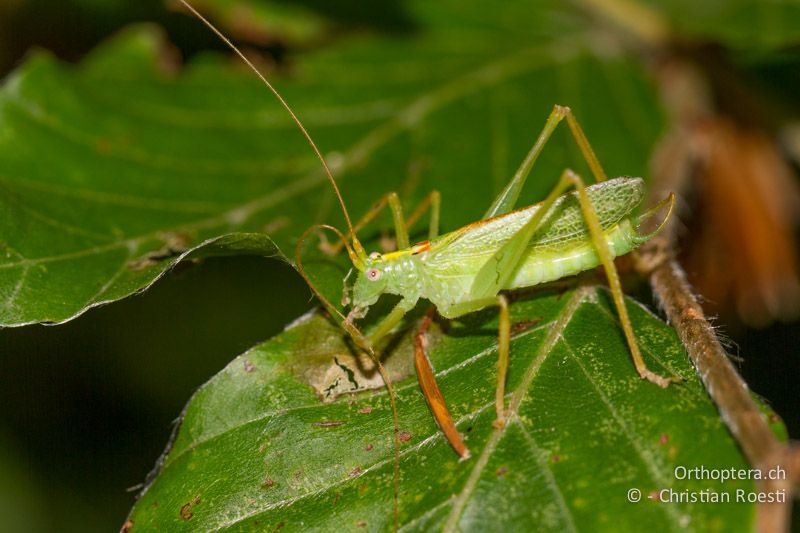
column 676, row 160
column 687, row 97
column 730, row 393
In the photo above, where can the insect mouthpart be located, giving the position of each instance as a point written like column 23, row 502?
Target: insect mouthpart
column 356, row 313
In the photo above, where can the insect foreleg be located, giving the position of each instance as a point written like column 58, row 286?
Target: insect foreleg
column 400, row 230
column 601, row 246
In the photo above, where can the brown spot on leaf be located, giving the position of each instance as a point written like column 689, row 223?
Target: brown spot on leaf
column 248, row 366
column 126, row 527
column 361, row 524
column 365, row 410
column 663, row 439
column 500, row 472
column 369, row 447
column 332, row 369
column 555, row 458
column 186, row 509
column 175, row 243
column 519, row 327
column 356, row 472
column 328, row 423
column 404, row 436
column 268, row 482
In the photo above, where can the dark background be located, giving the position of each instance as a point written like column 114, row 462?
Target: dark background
column 87, row 407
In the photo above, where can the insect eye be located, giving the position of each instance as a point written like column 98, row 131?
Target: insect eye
column 373, row 274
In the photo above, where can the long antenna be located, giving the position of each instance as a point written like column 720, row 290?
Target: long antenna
column 366, row 345
column 357, row 255
column 356, row 244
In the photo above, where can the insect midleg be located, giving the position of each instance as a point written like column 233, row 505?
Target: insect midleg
column 496, row 273
column 503, row 340
column 601, row 246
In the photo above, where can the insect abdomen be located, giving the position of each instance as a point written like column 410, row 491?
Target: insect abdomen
column 541, row 266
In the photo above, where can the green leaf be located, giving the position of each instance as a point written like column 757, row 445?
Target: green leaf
column 115, row 170
column 116, row 162
column 258, row 450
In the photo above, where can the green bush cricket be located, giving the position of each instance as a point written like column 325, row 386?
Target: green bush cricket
column 468, row 269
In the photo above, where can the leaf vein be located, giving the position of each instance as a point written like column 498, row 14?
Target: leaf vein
column 436, row 435
column 647, row 458
column 548, row 474
column 516, row 398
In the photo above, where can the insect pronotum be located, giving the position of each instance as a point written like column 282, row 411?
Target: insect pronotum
column 468, row 269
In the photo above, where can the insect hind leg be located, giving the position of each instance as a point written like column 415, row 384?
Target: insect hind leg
column 607, row 260
column 507, row 199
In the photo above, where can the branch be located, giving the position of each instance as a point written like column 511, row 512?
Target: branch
column 678, row 158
